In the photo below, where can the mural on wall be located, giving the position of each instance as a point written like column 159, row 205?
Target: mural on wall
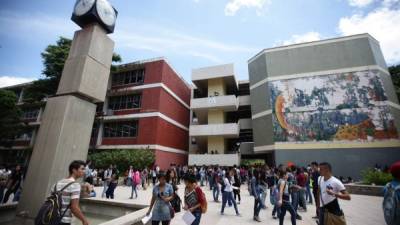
column 337, row 107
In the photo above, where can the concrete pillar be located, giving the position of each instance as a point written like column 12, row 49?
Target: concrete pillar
column 66, row 126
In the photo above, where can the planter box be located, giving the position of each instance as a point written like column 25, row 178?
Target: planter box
column 363, row 189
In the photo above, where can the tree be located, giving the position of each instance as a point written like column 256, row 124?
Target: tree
column 395, row 74
column 10, row 113
column 123, row 158
column 54, row 57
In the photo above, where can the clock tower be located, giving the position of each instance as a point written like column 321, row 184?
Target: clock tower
column 66, row 127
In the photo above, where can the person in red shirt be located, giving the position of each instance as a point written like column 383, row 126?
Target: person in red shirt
column 301, row 181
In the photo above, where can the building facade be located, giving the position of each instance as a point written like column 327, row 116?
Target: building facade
column 331, row 100
column 146, row 107
column 220, row 118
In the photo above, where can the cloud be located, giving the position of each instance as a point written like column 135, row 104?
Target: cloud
column 360, row 3
column 300, row 38
column 383, row 23
column 233, row 6
column 6, row 81
column 166, row 41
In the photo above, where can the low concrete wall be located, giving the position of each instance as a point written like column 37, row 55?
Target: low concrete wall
column 362, row 189
column 219, row 159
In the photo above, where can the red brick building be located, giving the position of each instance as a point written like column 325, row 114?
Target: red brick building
column 147, row 107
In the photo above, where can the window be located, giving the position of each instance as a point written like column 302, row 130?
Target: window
column 128, row 77
column 124, row 102
column 25, row 136
column 30, row 114
column 121, row 129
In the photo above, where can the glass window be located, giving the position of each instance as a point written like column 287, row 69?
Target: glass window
column 121, row 129
column 124, row 102
column 128, row 77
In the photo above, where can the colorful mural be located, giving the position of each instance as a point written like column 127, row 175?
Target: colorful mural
column 337, row 107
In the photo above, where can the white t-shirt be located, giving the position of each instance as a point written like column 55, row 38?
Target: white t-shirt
column 335, row 185
column 71, row 192
column 228, row 185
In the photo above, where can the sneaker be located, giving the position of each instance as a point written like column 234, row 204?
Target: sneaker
column 131, row 198
column 222, row 213
column 298, row 217
column 274, row 217
column 238, row 214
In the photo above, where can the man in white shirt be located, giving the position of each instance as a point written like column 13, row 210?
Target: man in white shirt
column 330, row 190
column 106, row 180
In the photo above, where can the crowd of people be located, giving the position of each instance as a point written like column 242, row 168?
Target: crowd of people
column 290, row 189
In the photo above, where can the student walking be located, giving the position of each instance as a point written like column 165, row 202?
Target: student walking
column 256, row 193
column 163, row 193
column 106, row 180
column 284, row 198
column 14, row 183
column 236, row 186
column 71, row 193
column 227, row 190
column 111, row 187
column 330, row 189
column 194, row 198
column 216, row 181
column 135, row 183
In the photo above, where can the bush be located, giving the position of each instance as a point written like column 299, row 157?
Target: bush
column 253, row 162
column 123, row 158
column 372, row 176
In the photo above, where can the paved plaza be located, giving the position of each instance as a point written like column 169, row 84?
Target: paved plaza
column 361, row 210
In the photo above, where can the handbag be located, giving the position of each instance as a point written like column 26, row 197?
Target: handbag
column 330, row 218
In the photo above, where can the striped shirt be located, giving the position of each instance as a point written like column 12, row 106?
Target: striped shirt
column 71, row 192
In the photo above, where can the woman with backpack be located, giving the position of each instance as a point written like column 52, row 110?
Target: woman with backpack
column 227, row 190
column 163, row 193
column 135, row 183
column 195, row 200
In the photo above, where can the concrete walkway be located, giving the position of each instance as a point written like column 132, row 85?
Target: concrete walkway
column 361, row 210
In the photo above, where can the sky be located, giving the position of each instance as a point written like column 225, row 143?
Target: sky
column 194, row 33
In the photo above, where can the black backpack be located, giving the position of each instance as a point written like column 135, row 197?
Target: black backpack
column 50, row 212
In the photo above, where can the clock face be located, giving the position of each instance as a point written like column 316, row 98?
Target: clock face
column 106, row 12
column 83, row 6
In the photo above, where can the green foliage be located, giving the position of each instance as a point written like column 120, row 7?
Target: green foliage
column 252, row 162
column 371, row 176
column 10, row 124
column 138, row 158
column 395, row 74
column 54, row 57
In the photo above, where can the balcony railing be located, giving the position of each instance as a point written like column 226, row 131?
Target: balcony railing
column 224, row 129
column 225, row 102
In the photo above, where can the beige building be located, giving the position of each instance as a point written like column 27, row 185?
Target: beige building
column 215, row 132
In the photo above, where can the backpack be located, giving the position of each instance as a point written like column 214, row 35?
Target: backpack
column 202, row 199
column 50, row 212
column 176, row 203
column 391, row 204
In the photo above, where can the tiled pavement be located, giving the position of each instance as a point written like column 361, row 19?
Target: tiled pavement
column 361, row 210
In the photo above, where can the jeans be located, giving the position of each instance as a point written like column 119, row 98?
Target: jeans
column 321, row 216
column 316, row 198
column 154, row 222
column 228, row 196
column 105, row 187
column 110, row 190
column 308, row 194
column 302, row 198
column 276, row 210
column 257, row 206
column 134, row 189
column 210, row 182
column 263, row 196
column 295, row 200
column 197, row 214
column 286, row 206
column 216, row 192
